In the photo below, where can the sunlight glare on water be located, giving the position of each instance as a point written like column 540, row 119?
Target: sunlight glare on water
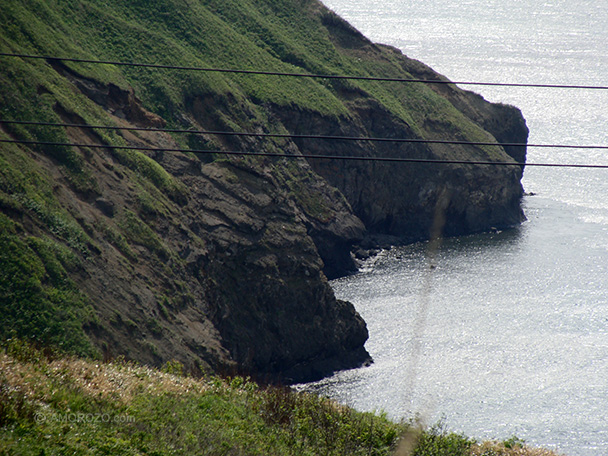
column 515, row 340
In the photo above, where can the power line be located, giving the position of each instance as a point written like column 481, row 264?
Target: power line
column 301, row 75
column 299, row 136
column 311, row 156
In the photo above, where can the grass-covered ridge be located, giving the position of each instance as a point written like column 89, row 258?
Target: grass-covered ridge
column 283, row 36
column 51, row 405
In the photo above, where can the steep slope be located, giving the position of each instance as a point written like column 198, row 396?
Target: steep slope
column 220, row 261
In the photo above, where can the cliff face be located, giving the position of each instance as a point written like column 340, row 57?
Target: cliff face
column 401, row 199
column 213, row 267
column 216, row 260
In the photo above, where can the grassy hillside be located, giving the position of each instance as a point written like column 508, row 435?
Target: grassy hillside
column 283, row 36
column 89, row 231
column 51, row 405
column 55, row 237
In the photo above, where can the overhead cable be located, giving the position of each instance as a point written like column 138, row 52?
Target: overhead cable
column 299, row 136
column 301, row 75
column 308, row 156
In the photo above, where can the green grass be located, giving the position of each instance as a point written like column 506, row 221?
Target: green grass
column 38, row 300
column 139, row 232
column 284, row 36
column 152, row 412
column 56, row 405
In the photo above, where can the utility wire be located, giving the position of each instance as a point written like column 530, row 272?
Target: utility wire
column 311, row 156
column 300, row 75
column 297, row 136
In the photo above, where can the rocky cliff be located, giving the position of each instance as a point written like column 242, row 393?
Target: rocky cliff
column 157, row 246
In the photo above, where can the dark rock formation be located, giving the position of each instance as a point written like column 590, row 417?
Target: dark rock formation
column 400, row 199
column 270, row 301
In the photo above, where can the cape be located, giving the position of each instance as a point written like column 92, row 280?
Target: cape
column 155, row 244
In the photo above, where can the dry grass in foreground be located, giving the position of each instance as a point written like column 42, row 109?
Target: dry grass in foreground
column 69, row 405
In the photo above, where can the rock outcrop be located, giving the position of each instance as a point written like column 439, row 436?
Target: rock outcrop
column 400, row 200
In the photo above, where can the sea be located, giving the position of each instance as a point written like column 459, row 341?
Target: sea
column 502, row 334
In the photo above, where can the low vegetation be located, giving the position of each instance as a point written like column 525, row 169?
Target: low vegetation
column 51, row 404
column 36, row 271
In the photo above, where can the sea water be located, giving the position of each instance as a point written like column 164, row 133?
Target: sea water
column 500, row 334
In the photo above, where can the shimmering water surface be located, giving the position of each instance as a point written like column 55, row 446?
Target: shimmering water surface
column 508, row 333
